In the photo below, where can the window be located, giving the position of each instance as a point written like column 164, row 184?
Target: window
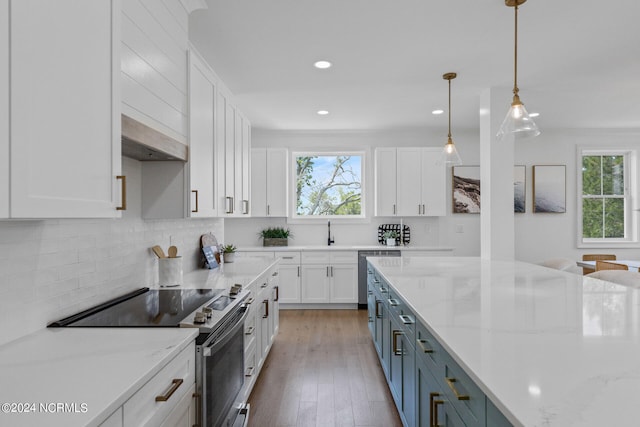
column 329, row 185
column 605, row 197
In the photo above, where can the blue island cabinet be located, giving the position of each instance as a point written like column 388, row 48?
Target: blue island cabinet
column 429, row 388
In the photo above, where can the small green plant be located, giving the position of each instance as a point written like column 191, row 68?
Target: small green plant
column 275, row 233
column 390, row 234
column 228, row 249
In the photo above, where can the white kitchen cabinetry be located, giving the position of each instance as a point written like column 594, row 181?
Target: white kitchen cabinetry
column 176, row 384
column 202, row 119
column 420, row 182
column 64, row 140
column 269, row 172
column 289, row 277
column 234, row 145
column 329, row 277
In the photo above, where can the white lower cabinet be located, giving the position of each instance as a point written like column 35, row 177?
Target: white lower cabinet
column 289, row 279
column 184, row 413
column 329, row 277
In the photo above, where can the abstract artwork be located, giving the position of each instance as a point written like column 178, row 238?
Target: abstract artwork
column 549, row 184
column 519, row 189
column 466, row 189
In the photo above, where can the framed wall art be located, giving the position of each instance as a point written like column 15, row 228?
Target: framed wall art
column 519, row 188
column 466, row 189
column 549, row 189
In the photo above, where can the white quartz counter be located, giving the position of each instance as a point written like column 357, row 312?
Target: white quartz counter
column 97, row 369
column 94, row 370
column 549, row 348
column 345, row 248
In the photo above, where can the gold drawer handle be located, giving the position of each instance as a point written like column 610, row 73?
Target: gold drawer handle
column 177, row 382
column 433, row 409
column 196, row 207
column 393, row 302
column 249, row 372
column 421, row 344
column 249, row 330
column 123, row 206
column 451, row 383
column 396, row 334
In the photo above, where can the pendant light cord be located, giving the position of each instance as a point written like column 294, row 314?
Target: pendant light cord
column 449, row 135
column 515, row 54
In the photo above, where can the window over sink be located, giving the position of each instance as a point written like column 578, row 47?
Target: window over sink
column 328, row 185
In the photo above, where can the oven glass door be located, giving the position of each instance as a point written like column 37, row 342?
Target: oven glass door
column 223, row 375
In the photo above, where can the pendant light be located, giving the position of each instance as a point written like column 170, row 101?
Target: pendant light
column 449, row 153
column 518, row 122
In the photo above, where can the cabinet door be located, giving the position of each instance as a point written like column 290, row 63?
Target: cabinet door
column 4, row 109
column 184, row 413
column 226, row 143
column 409, row 182
column 65, row 120
column 315, row 284
column 241, row 200
column 385, row 175
column 202, row 97
column 246, row 167
column 264, row 314
column 408, row 381
column 259, row 182
column 344, row 283
column 427, row 391
column 289, row 284
column 433, row 182
column 277, row 179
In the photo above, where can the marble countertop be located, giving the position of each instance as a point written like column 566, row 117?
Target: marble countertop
column 343, row 248
column 98, row 367
column 549, row 348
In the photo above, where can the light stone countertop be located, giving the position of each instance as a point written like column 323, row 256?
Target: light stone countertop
column 343, row 248
column 549, row 348
column 100, row 367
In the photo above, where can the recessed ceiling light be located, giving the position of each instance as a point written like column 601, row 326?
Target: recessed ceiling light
column 437, row 112
column 322, row 64
column 322, row 112
column 534, row 114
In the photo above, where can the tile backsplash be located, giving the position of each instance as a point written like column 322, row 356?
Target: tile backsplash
column 54, row 268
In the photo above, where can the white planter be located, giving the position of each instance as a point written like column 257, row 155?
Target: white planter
column 391, row 242
column 229, row 257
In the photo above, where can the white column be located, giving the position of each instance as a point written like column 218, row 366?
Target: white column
column 496, row 178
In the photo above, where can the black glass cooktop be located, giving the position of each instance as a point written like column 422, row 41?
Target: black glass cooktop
column 143, row 308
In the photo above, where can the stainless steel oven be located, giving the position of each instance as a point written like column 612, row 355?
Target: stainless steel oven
column 220, row 373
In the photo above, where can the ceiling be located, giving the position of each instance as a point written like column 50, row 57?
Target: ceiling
column 578, row 61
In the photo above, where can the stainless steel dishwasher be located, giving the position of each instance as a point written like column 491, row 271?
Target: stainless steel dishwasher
column 362, row 271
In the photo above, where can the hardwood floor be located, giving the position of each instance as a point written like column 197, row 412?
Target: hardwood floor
column 322, row 371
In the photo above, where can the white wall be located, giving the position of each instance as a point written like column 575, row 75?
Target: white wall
column 54, row 268
column 433, row 231
column 538, row 236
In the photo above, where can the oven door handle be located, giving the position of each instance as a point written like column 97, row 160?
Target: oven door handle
column 210, row 348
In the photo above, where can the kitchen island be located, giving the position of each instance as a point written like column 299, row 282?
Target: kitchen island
column 547, row 348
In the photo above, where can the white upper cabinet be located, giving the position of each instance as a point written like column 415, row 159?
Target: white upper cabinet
column 269, row 181
column 234, row 145
column 410, row 182
column 64, row 139
column 202, row 115
column 154, row 65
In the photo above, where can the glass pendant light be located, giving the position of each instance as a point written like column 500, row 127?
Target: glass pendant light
column 518, row 122
column 449, row 153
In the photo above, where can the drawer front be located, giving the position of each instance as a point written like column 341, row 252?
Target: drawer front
column 316, row 257
column 344, row 257
column 463, row 393
column 429, row 351
column 142, row 409
column 250, row 328
column 250, row 363
column 288, row 257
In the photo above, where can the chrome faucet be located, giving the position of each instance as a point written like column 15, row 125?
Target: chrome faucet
column 329, row 239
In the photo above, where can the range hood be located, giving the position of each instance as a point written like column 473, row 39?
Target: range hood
column 143, row 143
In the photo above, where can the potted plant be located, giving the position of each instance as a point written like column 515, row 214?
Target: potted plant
column 275, row 236
column 390, row 237
column 228, row 253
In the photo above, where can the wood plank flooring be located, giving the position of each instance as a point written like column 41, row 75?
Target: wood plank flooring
column 322, row 371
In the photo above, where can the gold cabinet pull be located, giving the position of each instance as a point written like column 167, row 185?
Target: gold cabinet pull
column 245, row 207
column 378, row 314
column 123, row 181
column 277, row 289
column 249, row 371
column 406, row 319
column 249, row 330
column 229, row 203
column 433, row 409
column 196, row 192
column 249, row 301
column 393, row 302
column 266, row 308
column 451, row 383
column 177, row 382
column 396, row 334
column 421, row 343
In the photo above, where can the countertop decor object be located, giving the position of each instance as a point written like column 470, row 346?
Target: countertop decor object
column 275, row 236
column 229, row 253
column 403, row 237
